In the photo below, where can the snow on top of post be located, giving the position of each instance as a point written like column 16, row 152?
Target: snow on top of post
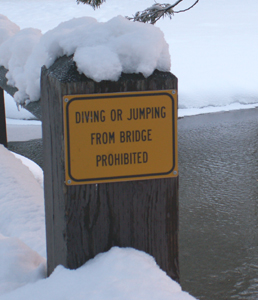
column 102, row 51
column 14, row 53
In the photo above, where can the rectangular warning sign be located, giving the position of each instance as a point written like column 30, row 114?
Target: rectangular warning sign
column 120, row 136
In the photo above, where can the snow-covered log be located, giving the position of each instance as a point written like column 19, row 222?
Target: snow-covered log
column 33, row 107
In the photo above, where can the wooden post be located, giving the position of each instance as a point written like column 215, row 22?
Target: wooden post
column 3, row 134
column 84, row 220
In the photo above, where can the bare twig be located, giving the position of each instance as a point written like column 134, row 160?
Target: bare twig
column 176, row 12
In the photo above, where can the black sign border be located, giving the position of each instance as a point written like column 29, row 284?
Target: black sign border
column 134, row 177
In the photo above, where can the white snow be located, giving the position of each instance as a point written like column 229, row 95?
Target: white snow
column 23, row 130
column 101, row 51
column 7, row 28
column 13, row 111
column 20, row 265
column 33, row 167
column 22, row 213
column 213, row 50
column 213, row 47
column 121, row 46
column 14, row 53
column 120, row 273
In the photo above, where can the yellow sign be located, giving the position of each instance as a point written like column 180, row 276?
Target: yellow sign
column 120, row 136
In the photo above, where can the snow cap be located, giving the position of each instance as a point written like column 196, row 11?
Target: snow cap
column 102, row 51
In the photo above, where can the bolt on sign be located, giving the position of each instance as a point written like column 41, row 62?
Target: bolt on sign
column 120, row 136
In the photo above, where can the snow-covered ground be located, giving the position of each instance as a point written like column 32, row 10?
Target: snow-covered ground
column 118, row 274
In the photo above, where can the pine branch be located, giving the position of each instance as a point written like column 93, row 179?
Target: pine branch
column 156, row 11
column 149, row 15
column 93, row 3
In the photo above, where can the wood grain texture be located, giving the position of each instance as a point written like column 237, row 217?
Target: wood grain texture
column 85, row 220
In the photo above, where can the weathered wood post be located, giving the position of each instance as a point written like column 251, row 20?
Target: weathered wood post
column 3, row 134
column 82, row 219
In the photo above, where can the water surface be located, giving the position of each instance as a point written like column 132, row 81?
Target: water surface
column 218, row 163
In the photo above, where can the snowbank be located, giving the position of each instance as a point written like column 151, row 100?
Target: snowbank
column 117, row 274
column 121, row 273
column 101, row 51
column 33, row 167
column 20, row 265
column 22, row 223
column 22, row 213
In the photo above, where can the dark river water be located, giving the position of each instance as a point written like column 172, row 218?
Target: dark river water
column 218, row 163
